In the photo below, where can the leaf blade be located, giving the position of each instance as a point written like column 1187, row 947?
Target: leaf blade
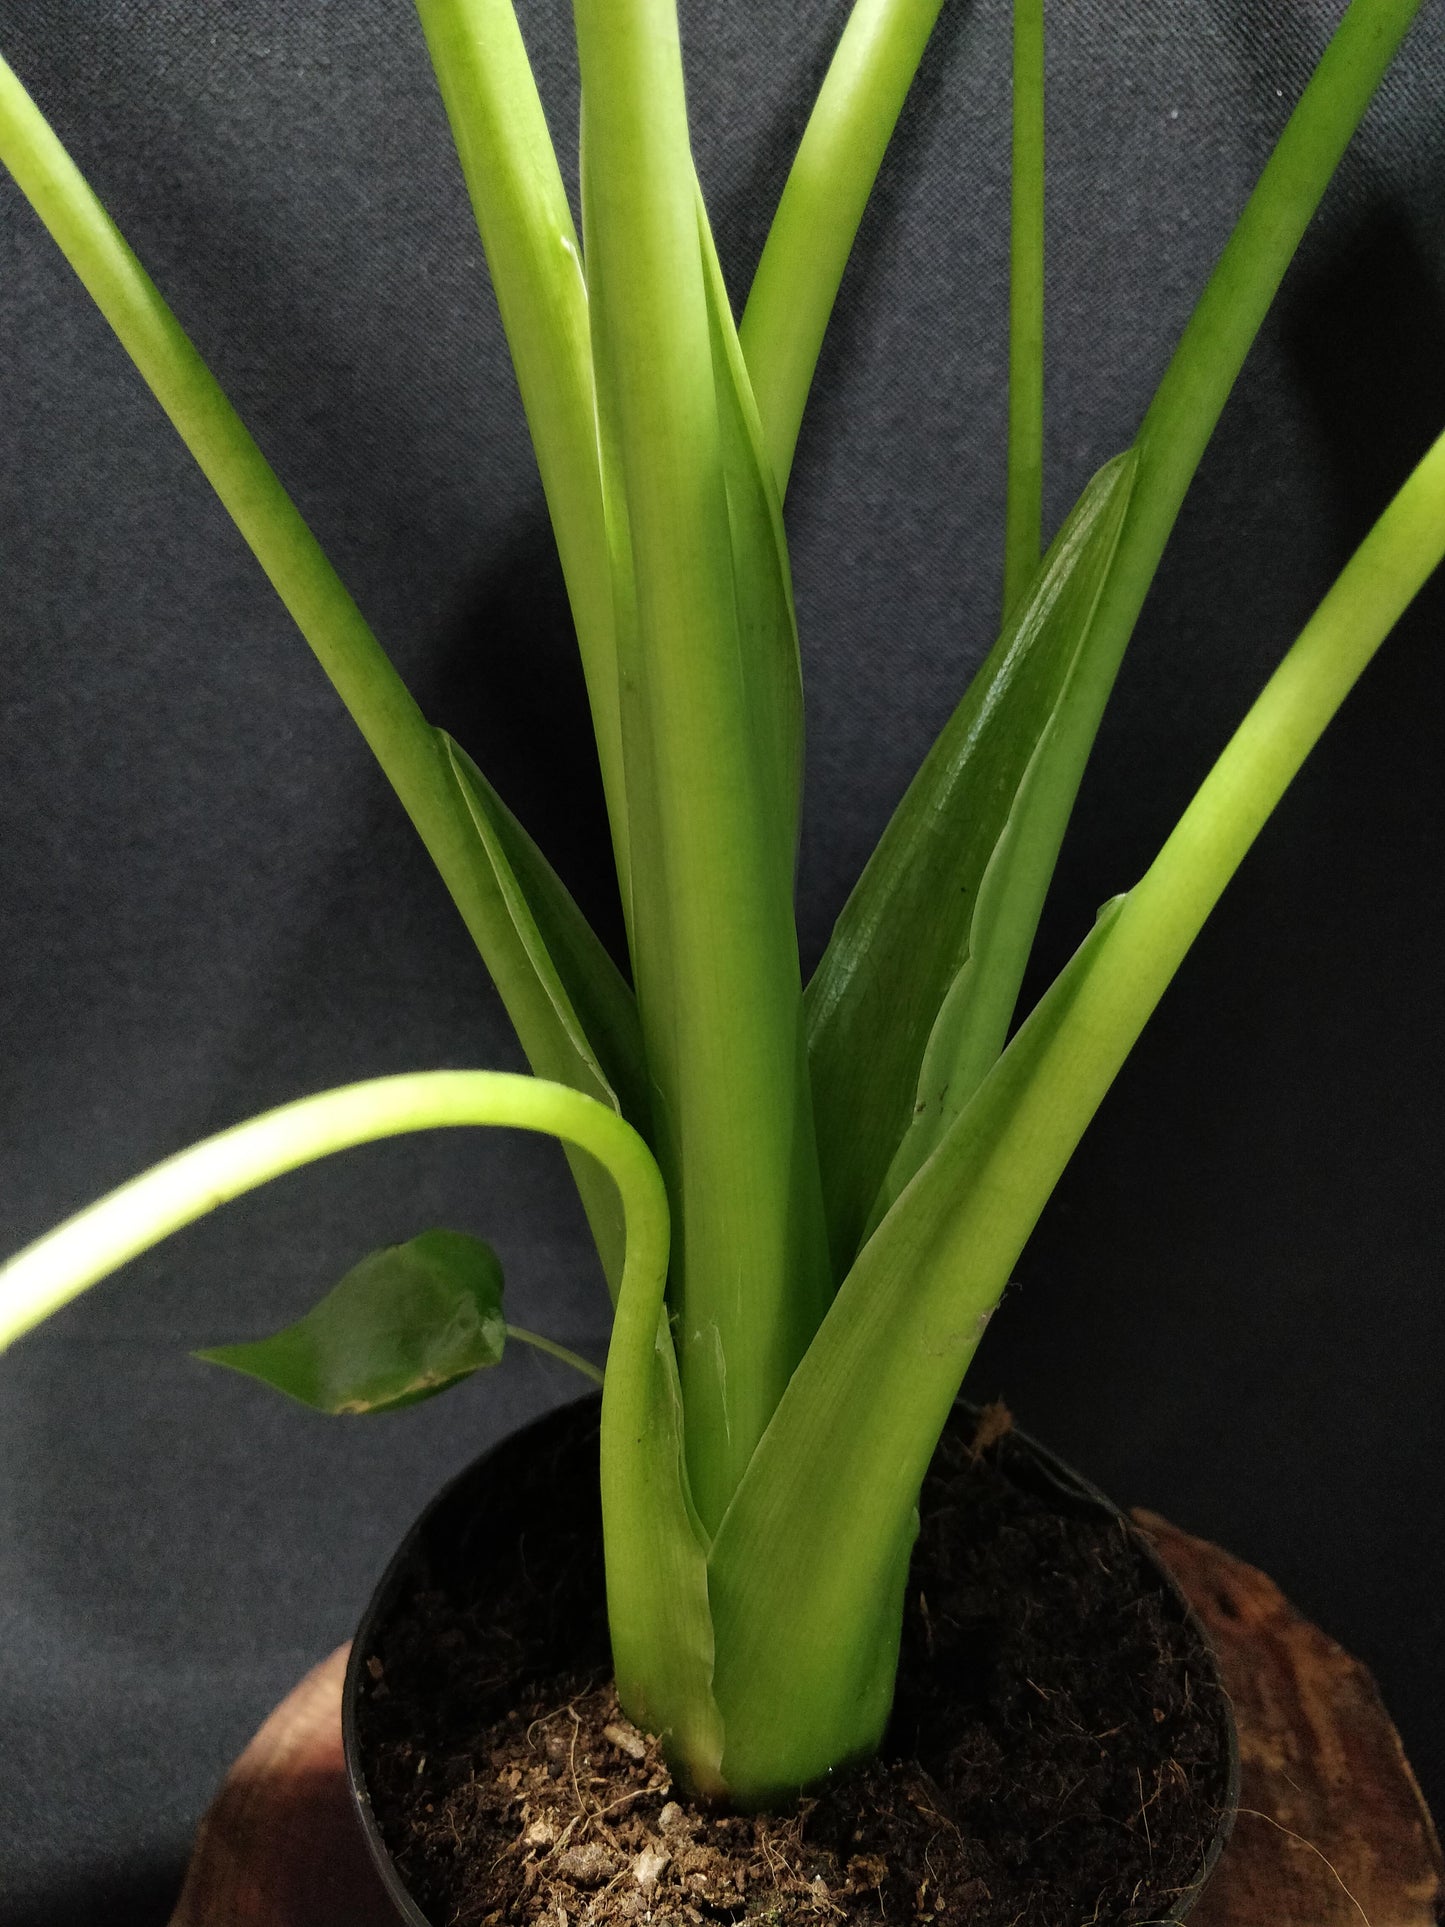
column 972, row 1024
column 404, row 1324
column 573, row 1008
column 903, row 937
column 574, row 1016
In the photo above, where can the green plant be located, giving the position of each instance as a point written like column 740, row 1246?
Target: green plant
column 850, row 1170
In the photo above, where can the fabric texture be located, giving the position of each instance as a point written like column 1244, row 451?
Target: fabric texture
column 209, row 901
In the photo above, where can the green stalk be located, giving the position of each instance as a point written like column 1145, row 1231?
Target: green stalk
column 801, row 1570
column 970, row 1012
column 378, row 701
column 530, row 242
column 1023, row 518
column 822, row 204
column 412, row 756
column 656, row 1577
column 562, row 1353
column 1164, row 912
column 715, row 958
column 1190, row 398
column 88, row 1247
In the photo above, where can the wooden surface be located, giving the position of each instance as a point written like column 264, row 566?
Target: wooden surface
column 280, row 1844
column 1332, row 1831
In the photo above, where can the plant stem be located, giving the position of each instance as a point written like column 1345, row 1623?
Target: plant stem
column 527, row 232
column 822, row 204
column 1163, row 913
column 554, row 1350
column 64, row 1263
column 656, row 1573
column 800, row 1570
column 1190, row 398
column 1023, row 520
column 715, row 955
column 344, row 645
column 413, row 758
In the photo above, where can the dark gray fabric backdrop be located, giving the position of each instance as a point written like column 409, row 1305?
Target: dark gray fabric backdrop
column 210, row 903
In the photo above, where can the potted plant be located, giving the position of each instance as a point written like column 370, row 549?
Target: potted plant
column 822, row 1196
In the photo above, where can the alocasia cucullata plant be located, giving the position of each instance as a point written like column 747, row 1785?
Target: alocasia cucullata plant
column 807, row 1199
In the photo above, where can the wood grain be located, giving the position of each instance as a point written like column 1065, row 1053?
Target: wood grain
column 1332, row 1830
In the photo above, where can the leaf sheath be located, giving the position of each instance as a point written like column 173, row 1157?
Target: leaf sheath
column 715, row 949
column 834, row 1481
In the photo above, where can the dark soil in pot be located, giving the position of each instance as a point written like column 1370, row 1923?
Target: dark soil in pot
column 1061, row 1753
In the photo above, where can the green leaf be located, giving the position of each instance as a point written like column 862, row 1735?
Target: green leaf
column 807, row 1570
column 960, row 872
column 762, row 575
column 573, row 1011
column 975, row 1013
column 403, row 1325
column 575, row 1017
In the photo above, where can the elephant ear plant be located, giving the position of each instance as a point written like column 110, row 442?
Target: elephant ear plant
column 807, row 1200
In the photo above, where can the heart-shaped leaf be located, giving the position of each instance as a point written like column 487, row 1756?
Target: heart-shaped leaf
column 405, row 1323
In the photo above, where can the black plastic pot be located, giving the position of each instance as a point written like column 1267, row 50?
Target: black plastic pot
column 480, row 1520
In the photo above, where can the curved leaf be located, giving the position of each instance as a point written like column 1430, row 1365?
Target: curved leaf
column 990, row 802
column 401, row 1326
column 762, row 574
column 573, row 1013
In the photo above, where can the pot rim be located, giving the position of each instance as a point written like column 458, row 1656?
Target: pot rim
column 1042, row 1469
